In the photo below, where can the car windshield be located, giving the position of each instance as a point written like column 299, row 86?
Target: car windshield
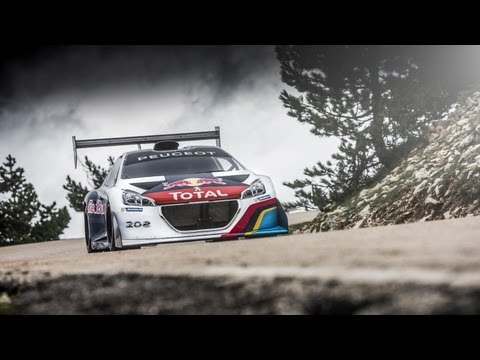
column 145, row 166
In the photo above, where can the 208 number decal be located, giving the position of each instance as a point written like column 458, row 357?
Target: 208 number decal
column 137, row 224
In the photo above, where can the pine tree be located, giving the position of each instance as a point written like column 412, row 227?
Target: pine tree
column 378, row 100
column 95, row 175
column 22, row 217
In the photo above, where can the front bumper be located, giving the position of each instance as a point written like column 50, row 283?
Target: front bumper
column 253, row 218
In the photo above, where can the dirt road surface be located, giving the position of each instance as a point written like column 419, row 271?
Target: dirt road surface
column 423, row 268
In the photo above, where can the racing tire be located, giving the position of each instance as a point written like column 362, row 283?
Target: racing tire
column 88, row 243
column 111, row 230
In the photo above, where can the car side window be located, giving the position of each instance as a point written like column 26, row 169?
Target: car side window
column 112, row 176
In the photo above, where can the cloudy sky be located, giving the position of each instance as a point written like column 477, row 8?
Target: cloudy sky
column 48, row 94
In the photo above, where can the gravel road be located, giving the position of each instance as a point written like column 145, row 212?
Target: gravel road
column 422, row 268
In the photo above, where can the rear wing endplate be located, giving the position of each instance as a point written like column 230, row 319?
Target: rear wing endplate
column 138, row 140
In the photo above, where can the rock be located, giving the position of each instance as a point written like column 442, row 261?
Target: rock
column 420, row 187
column 365, row 211
column 431, row 200
column 433, row 136
column 466, row 141
column 5, row 299
column 421, row 173
column 359, row 224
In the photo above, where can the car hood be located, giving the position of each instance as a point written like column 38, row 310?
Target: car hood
column 196, row 188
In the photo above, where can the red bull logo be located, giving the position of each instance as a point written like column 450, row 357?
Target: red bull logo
column 192, row 182
column 96, row 208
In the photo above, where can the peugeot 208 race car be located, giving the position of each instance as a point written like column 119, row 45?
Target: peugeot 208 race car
column 170, row 194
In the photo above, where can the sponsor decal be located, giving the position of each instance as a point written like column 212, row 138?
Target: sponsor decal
column 178, row 190
column 192, row 182
column 175, row 154
column 262, row 198
column 134, row 209
column 138, row 224
column 159, row 155
column 197, row 194
column 97, row 208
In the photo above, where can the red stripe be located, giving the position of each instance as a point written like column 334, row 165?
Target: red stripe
column 178, row 196
column 243, row 222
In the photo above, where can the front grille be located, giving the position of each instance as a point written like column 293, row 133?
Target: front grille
column 212, row 215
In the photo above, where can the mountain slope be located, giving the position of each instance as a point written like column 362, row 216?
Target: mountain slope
column 438, row 181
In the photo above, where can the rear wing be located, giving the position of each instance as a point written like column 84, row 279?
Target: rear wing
column 138, row 140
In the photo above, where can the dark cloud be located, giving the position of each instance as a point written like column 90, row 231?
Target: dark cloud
column 32, row 77
column 38, row 71
column 39, row 120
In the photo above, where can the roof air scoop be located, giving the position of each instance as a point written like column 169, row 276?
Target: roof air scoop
column 166, row 145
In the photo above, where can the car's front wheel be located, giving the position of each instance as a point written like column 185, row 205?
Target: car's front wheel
column 112, row 230
column 88, row 241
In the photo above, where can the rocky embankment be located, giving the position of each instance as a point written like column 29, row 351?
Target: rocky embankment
column 441, row 180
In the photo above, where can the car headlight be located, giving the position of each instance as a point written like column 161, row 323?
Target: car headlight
column 135, row 199
column 257, row 188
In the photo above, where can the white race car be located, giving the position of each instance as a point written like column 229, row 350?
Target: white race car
column 171, row 194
